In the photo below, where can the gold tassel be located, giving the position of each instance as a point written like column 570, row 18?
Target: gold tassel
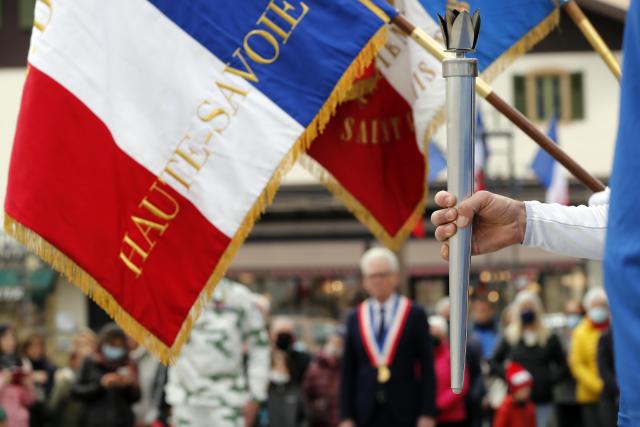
column 340, row 91
column 83, row 280
column 523, row 45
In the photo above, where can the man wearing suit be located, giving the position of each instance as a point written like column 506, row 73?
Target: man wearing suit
column 387, row 372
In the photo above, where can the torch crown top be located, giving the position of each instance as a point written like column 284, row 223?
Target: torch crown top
column 460, row 30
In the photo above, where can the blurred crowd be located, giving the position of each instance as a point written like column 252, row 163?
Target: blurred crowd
column 242, row 368
column 523, row 373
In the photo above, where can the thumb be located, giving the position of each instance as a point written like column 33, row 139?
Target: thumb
column 469, row 207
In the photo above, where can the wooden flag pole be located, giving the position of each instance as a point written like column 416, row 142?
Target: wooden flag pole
column 593, row 37
column 484, row 90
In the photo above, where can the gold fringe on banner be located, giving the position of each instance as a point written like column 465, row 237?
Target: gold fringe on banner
column 83, row 280
column 393, row 242
column 523, row 45
column 77, row 275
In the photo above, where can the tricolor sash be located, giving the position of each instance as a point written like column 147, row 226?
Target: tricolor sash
column 381, row 354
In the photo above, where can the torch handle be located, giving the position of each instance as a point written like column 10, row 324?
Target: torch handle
column 461, row 113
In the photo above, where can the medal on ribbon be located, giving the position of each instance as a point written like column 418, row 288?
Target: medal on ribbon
column 381, row 352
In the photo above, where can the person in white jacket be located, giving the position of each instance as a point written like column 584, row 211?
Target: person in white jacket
column 210, row 385
column 499, row 222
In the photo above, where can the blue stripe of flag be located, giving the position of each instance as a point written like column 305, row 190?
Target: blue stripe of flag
column 320, row 49
column 504, row 23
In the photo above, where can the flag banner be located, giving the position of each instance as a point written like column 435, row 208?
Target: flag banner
column 508, row 30
column 378, row 159
column 549, row 172
column 152, row 134
column 416, row 76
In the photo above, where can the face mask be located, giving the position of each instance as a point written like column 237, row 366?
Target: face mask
column 528, row 317
column 598, row 315
column 573, row 320
column 279, row 378
column 112, row 353
column 530, row 338
column 284, row 341
column 484, row 325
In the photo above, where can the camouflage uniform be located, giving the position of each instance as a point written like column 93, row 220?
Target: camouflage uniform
column 209, row 385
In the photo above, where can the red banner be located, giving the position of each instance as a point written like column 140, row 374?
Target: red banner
column 368, row 157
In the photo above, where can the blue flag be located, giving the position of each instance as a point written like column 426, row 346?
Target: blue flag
column 549, row 172
column 622, row 251
column 437, row 162
column 509, row 28
column 543, row 164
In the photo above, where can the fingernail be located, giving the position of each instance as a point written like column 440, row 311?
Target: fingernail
column 451, row 215
column 463, row 221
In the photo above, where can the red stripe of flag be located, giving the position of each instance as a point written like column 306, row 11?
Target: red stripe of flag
column 81, row 191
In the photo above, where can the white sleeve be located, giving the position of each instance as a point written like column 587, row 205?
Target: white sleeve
column 577, row 231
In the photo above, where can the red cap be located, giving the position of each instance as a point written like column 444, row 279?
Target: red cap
column 518, row 377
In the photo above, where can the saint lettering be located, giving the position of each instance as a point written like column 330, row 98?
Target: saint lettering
column 362, row 135
column 347, row 132
column 374, row 131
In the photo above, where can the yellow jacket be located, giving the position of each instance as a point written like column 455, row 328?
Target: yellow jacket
column 584, row 363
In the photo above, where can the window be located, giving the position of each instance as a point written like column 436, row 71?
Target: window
column 25, row 14
column 538, row 95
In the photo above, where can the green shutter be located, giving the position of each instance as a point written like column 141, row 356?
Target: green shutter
column 25, row 14
column 519, row 94
column 577, row 97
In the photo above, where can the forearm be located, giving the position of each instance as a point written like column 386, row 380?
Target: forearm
column 577, row 231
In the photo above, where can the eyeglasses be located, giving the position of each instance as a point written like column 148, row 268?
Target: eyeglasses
column 382, row 275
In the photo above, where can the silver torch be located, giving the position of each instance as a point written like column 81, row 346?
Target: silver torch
column 460, row 31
